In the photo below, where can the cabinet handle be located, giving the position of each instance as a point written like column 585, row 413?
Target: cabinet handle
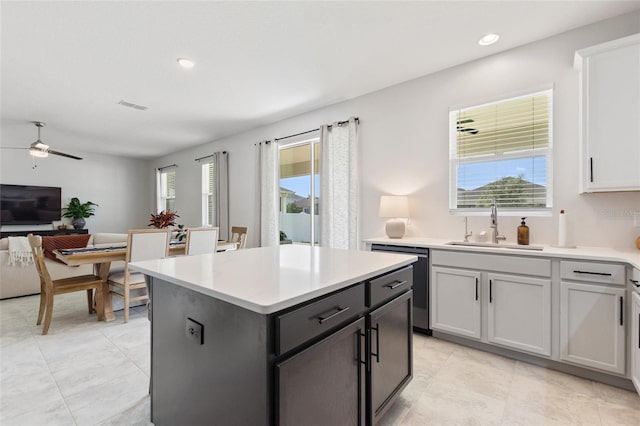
column 476, row 289
column 360, row 336
column 333, row 315
column 377, row 352
column 635, row 282
column 621, row 310
column 638, row 331
column 490, row 291
column 396, row 285
column 591, row 169
column 604, row 274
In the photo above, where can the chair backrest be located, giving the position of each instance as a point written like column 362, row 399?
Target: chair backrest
column 147, row 244
column 35, row 241
column 201, row 240
column 239, row 235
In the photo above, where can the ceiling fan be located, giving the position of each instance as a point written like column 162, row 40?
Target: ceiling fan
column 461, row 128
column 40, row 149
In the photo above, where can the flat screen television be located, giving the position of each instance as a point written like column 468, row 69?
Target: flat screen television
column 29, row 205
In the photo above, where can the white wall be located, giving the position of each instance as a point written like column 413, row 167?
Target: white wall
column 404, row 146
column 117, row 184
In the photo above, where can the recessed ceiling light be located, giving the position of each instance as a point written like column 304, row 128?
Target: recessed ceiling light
column 186, row 63
column 488, row 39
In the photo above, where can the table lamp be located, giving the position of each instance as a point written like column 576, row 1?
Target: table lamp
column 395, row 207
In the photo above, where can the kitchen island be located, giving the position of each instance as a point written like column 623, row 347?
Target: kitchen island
column 279, row 335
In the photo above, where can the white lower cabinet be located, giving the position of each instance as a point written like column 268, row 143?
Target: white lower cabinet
column 592, row 326
column 635, row 340
column 455, row 301
column 520, row 313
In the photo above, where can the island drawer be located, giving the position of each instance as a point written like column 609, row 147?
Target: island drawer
column 303, row 324
column 388, row 286
column 597, row 272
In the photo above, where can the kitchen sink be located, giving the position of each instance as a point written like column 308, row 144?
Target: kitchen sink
column 494, row 245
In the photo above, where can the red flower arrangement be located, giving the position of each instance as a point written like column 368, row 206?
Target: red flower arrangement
column 163, row 219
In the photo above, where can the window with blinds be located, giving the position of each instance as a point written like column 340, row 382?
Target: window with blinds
column 208, row 194
column 502, row 151
column 166, row 189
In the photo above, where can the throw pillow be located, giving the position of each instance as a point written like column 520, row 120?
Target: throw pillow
column 63, row 242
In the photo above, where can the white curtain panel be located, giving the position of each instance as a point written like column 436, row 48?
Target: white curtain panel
column 267, row 192
column 339, row 186
column 221, row 192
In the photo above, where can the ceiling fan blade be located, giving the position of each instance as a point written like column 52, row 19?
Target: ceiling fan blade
column 12, row 147
column 62, row 154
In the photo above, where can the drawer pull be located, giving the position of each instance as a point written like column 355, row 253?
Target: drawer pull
column 490, row 291
column 396, row 285
column 621, row 310
column 604, row 274
column 323, row 319
column 635, row 282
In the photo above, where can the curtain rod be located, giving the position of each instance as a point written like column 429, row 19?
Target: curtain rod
column 208, row 156
column 339, row 123
column 166, row 167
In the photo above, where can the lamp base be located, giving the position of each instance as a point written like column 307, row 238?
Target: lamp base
column 395, row 228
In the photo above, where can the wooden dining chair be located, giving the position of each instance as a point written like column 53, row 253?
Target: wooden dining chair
column 201, row 240
column 239, row 235
column 50, row 288
column 142, row 244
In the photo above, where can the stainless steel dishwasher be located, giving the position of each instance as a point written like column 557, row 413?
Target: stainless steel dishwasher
column 420, row 283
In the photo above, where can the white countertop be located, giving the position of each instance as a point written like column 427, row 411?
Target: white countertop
column 269, row 279
column 586, row 253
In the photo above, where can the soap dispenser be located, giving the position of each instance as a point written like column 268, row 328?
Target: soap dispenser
column 523, row 233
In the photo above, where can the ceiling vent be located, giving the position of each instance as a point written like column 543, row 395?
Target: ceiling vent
column 134, row 106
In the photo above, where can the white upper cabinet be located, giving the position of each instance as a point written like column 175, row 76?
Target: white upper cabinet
column 610, row 115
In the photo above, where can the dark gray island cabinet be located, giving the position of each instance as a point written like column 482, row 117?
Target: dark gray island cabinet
column 336, row 353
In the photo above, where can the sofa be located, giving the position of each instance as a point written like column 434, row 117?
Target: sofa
column 22, row 280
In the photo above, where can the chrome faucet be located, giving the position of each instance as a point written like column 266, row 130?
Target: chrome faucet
column 467, row 234
column 495, row 235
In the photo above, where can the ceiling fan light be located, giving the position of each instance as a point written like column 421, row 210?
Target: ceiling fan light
column 488, row 39
column 36, row 152
column 39, row 146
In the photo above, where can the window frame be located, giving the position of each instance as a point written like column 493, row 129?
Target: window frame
column 206, row 194
column 547, row 153
column 162, row 188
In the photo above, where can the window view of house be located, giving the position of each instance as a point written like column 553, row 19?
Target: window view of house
column 299, row 192
column 502, row 151
column 167, row 189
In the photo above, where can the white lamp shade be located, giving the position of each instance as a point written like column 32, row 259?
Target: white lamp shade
column 394, row 206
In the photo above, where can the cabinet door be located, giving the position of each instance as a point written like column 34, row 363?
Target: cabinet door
column 635, row 340
column 324, row 384
column 455, row 301
column 592, row 326
column 520, row 313
column 610, row 111
column 391, row 355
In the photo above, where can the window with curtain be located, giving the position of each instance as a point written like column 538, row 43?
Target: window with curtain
column 166, row 195
column 208, row 193
column 503, row 151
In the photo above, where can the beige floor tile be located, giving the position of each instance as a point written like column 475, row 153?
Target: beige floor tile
column 550, row 410
column 616, row 396
column 613, row 414
column 531, row 381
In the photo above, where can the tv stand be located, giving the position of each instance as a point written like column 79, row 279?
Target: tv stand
column 43, row 232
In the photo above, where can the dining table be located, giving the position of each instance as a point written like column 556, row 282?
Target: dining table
column 101, row 258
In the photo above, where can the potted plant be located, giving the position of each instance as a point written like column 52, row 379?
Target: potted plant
column 78, row 212
column 163, row 219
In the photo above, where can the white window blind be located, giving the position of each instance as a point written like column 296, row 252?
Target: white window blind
column 208, row 193
column 166, row 196
column 502, row 150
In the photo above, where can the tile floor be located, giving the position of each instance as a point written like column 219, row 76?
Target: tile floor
column 90, row 373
